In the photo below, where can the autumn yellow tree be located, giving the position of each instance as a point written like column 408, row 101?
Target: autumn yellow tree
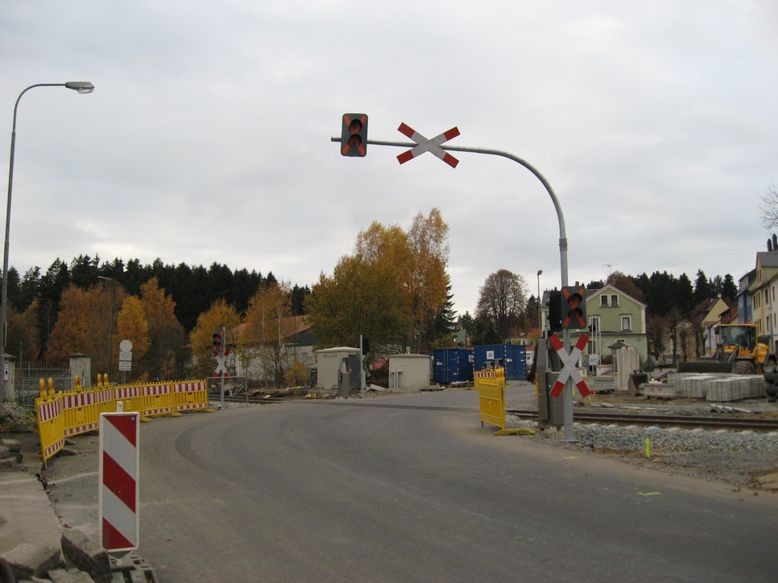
column 391, row 289
column 201, row 337
column 84, row 324
column 166, row 335
column 131, row 325
column 360, row 298
column 266, row 326
column 23, row 338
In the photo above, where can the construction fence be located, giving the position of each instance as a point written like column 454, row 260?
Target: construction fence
column 490, row 384
column 66, row 413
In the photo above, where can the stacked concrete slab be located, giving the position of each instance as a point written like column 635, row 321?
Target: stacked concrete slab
column 717, row 386
column 735, row 388
column 694, row 386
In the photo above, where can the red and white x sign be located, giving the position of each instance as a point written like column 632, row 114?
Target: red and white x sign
column 568, row 365
column 425, row 145
column 221, row 365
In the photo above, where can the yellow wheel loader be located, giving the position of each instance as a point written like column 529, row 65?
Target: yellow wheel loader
column 738, row 344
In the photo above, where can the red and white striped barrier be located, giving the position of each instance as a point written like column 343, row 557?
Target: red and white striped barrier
column 118, row 495
column 49, row 410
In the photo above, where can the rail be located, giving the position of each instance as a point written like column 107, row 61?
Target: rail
column 704, row 421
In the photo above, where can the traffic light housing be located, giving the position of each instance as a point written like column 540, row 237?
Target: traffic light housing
column 555, row 311
column 217, row 344
column 353, row 135
column 574, row 308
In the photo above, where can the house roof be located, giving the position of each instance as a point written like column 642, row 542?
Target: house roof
column 593, row 293
column 716, row 310
column 291, row 325
column 767, row 258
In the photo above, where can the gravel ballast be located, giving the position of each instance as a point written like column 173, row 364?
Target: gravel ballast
column 740, row 458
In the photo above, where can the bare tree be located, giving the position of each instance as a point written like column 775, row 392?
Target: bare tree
column 502, row 301
column 769, row 207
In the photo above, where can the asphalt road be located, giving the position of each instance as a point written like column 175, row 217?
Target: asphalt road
column 401, row 489
column 411, row 488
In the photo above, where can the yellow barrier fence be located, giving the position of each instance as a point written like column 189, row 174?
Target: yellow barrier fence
column 51, row 422
column 158, row 400
column 190, row 395
column 78, row 411
column 491, row 395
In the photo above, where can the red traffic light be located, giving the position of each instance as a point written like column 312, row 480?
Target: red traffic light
column 353, row 135
column 217, row 344
column 575, row 308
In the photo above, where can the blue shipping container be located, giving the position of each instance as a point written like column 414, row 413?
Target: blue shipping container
column 452, row 365
column 511, row 356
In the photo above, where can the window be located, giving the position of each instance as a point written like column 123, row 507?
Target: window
column 626, row 323
column 603, row 301
column 614, row 301
column 591, row 347
column 594, row 324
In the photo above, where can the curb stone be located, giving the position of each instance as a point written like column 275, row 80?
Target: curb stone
column 86, row 555
column 33, row 559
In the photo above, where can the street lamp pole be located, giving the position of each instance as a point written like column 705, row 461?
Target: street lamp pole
column 540, row 313
column 567, row 395
column 110, row 324
column 80, row 87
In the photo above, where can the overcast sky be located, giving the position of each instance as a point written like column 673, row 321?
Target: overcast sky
column 208, row 135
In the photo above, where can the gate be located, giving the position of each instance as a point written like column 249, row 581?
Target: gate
column 29, row 373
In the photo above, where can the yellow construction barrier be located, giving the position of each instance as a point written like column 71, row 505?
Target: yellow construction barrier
column 491, row 395
column 190, row 395
column 51, row 422
column 158, row 399
column 78, row 411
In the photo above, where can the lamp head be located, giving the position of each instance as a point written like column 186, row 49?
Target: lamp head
column 80, row 86
column 540, row 272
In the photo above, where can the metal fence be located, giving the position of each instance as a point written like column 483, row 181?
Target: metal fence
column 28, row 374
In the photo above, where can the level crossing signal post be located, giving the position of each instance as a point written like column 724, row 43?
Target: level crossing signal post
column 354, row 141
column 220, row 351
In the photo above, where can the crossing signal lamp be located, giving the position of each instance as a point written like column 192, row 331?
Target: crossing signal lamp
column 555, row 311
column 574, row 307
column 353, row 135
column 217, row 344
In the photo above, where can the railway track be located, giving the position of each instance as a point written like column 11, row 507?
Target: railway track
column 689, row 421
column 723, row 421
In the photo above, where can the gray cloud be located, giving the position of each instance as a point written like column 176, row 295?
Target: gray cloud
column 207, row 138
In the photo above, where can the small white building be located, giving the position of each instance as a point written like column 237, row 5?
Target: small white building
column 328, row 363
column 410, row 371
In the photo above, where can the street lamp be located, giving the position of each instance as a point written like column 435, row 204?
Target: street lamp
column 540, row 312
column 80, row 87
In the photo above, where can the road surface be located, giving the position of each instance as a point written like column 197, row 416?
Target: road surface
column 403, row 489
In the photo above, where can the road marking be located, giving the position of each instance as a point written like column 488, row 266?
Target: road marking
column 72, row 478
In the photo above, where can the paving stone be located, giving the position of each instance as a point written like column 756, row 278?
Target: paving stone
column 69, row 576
column 86, row 554
column 12, row 444
column 33, row 559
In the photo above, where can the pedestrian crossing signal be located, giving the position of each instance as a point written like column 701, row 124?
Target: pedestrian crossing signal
column 353, row 135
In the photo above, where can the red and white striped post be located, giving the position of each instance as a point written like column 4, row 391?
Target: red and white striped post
column 118, row 489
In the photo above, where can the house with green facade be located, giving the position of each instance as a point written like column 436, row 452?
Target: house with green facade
column 615, row 318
